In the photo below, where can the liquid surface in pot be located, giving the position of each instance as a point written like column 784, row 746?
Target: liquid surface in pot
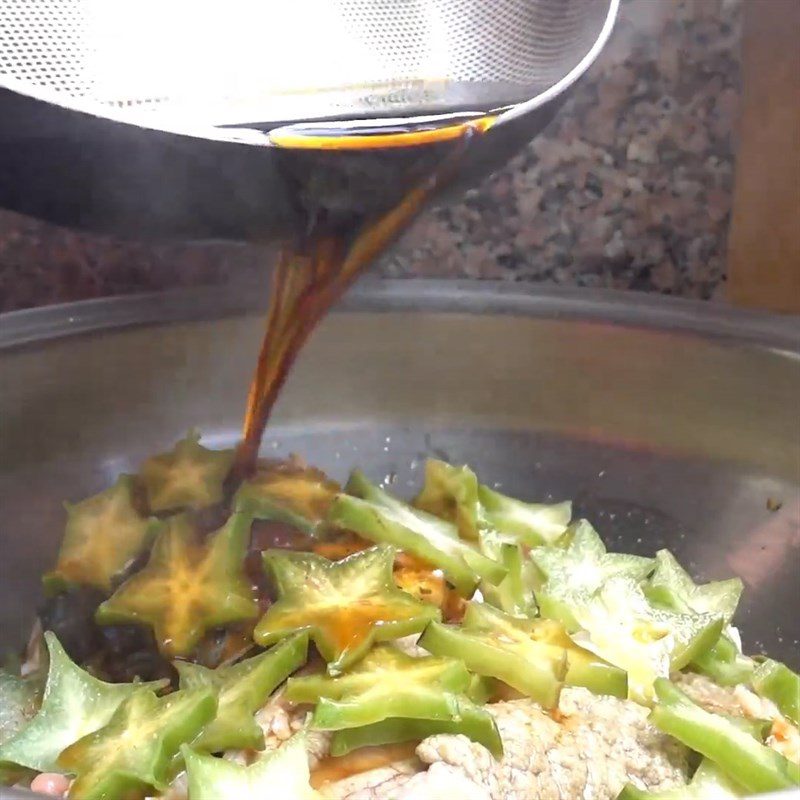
column 357, row 194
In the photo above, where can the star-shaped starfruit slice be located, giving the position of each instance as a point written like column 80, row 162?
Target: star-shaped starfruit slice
column 103, row 535
column 136, row 751
column 672, row 587
column 344, row 605
column 525, row 653
column 288, row 492
column 453, row 493
column 618, row 624
column 20, row 699
column 241, row 690
column 388, row 685
column 188, row 586
column 529, row 523
column 515, row 593
column 574, row 572
column 281, row 773
column 378, row 516
column 189, row 476
column 74, row 704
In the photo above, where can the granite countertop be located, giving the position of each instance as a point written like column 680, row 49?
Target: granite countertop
column 630, row 188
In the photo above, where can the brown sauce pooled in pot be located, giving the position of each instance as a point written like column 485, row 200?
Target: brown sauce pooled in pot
column 357, row 194
column 338, row 768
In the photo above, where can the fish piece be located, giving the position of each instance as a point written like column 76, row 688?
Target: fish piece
column 597, row 746
column 279, row 719
column 375, row 784
column 720, row 699
column 742, row 756
column 740, row 701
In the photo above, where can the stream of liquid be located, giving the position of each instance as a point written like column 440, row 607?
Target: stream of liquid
column 311, row 275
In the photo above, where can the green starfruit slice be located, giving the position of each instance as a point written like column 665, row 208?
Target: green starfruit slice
column 778, row 683
column 136, row 751
column 74, row 704
column 241, row 690
column 388, row 684
column 529, row 645
column 584, row 668
column 515, row 593
column 281, row 773
column 470, row 720
column 496, row 645
column 378, row 678
column 344, row 605
column 752, row 765
column 189, row 476
column 454, row 494
column 672, row 587
column 575, row 572
column 20, row 699
column 529, row 523
column 481, row 689
column 759, row 729
column 451, row 493
column 709, row 782
column 286, row 492
column 187, row 586
column 724, row 663
column 379, row 517
column 620, row 626
column 103, row 535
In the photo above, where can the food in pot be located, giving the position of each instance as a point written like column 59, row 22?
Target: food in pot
column 208, row 637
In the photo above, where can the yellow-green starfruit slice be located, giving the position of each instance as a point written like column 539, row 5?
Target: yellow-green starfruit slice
column 618, row 624
column 74, row 704
column 388, row 685
column 189, row 476
column 241, row 690
column 344, row 605
column 574, row 572
column 281, row 773
column 103, row 535
column 297, row 495
column 188, row 586
column 136, row 751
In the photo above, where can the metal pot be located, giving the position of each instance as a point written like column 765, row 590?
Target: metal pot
column 670, row 423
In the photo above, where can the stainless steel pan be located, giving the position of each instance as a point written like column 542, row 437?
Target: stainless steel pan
column 671, row 423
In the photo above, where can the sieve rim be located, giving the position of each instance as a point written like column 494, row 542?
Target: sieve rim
column 244, row 135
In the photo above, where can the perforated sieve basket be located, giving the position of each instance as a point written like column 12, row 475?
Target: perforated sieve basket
column 181, row 83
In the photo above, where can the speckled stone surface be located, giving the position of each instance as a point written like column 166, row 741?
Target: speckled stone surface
column 629, row 188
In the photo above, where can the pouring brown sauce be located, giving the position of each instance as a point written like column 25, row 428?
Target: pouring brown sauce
column 357, row 193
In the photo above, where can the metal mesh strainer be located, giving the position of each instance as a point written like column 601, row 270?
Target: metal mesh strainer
column 264, row 61
column 148, row 116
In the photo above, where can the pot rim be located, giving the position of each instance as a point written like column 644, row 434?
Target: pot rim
column 703, row 319
column 706, row 319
